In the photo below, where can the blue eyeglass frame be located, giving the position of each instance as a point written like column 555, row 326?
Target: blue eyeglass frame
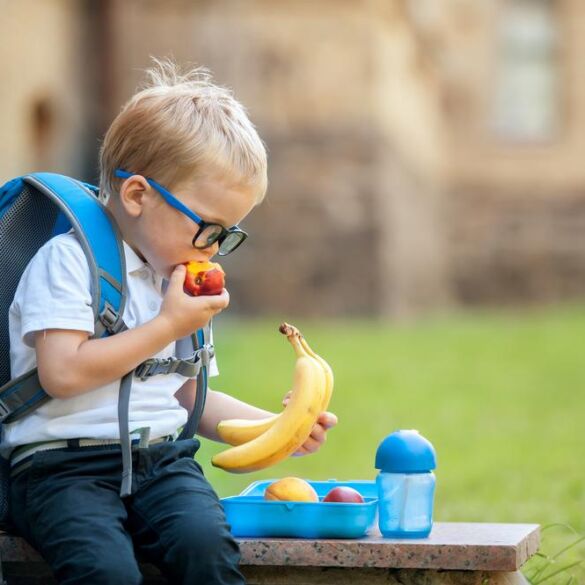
column 174, row 202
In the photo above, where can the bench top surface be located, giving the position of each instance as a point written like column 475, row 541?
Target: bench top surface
column 451, row 546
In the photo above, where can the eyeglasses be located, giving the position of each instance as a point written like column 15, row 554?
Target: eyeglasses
column 208, row 233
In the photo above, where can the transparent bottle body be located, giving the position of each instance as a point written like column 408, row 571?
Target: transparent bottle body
column 405, row 504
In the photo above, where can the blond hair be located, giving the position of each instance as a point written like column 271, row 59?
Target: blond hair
column 182, row 126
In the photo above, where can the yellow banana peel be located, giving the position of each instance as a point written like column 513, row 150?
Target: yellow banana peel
column 262, row 443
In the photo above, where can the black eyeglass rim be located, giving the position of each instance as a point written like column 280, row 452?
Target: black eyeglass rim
column 225, row 232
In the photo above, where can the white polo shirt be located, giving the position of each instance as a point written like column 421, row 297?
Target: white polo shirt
column 54, row 293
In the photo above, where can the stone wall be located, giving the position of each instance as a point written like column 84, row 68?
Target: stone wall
column 388, row 194
column 514, row 209
column 314, row 242
column 517, row 247
column 43, row 102
column 348, row 226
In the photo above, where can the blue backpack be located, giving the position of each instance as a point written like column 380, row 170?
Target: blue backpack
column 33, row 209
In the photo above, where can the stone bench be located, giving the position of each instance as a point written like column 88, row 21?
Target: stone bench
column 455, row 553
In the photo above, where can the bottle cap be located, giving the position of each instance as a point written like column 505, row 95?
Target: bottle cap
column 406, row 451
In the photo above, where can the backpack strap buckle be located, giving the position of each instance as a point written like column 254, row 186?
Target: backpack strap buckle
column 206, row 353
column 148, row 368
column 188, row 367
column 4, row 411
column 111, row 319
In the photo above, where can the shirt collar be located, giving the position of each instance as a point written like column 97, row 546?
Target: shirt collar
column 135, row 265
column 133, row 261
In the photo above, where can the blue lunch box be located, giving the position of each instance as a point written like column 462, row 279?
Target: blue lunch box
column 249, row 514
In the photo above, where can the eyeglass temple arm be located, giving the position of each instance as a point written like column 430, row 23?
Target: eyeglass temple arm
column 167, row 195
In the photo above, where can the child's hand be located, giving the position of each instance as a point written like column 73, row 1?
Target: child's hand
column 184, row 313
column 318, row 436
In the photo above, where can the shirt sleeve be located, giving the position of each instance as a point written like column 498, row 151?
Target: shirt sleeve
column 54, row 291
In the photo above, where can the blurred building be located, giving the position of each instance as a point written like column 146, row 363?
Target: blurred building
column 422, row 152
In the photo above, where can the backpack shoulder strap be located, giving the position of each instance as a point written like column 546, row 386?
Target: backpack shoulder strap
column 201, row 341
column 200, row 350
column 101, row 241
column 75, row 205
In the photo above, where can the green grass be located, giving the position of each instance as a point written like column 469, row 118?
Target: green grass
column 500, row 395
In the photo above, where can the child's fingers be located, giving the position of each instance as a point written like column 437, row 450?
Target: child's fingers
column 314, row 442
column 178, row 276
column 318, row 434
column 210, row 302
column 213, row 303
column 220, row 301
column 327, row 420
column 308, row 447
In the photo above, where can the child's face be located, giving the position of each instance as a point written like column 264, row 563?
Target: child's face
column 163, row 236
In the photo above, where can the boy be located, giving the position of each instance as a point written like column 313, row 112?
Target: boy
column 184, row 135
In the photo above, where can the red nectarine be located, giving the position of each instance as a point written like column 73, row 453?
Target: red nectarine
column 344, row 494
column 204, row 278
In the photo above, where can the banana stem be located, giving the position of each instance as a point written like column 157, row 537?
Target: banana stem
column 294, row 337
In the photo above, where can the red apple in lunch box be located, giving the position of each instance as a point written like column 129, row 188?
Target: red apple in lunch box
column 204, row 278
column 344, row 494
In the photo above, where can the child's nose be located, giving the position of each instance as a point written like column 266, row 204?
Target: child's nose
column 212, row 250
column 206, row 254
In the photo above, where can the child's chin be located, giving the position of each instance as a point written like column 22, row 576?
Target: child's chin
column 163, row 271
column 166, row 272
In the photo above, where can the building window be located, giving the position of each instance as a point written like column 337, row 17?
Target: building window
column 526, row 101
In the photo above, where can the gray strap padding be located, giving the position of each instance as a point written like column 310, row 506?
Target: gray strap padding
column 190, row 427
column 21, row 395
column 185, row 347
column 123, row 424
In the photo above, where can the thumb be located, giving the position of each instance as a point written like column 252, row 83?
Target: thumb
column 178, row 276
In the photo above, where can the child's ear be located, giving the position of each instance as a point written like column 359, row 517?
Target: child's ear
column 132, row 193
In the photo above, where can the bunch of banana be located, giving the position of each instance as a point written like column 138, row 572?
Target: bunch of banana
column 264, row 442
column 240, row 431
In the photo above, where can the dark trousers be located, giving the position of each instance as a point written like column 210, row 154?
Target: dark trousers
column 67, row 506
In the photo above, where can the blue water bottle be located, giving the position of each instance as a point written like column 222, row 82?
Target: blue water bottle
column 406, row 485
